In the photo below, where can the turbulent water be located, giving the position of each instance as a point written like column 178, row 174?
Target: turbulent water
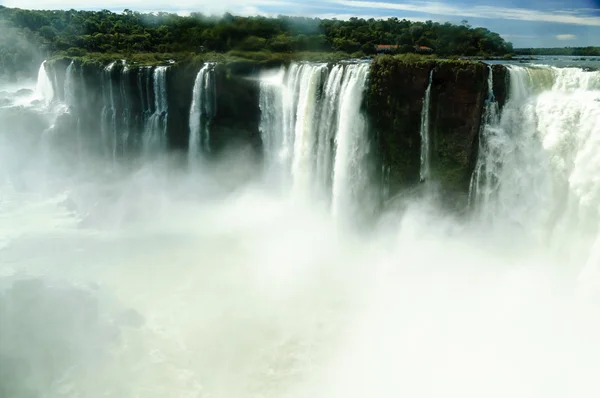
column 160, row 280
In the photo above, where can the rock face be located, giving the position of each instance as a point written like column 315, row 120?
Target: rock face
column 457, row 99
column 395, row 103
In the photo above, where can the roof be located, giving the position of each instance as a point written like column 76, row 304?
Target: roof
column 386, row 46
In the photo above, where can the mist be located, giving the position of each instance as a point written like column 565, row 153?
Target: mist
column 155, row 276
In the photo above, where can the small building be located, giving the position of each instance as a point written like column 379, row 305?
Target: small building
column 386, row 48
column 424, row 49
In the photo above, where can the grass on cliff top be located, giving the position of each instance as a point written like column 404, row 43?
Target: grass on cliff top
column 148, row 59
column 266, row 57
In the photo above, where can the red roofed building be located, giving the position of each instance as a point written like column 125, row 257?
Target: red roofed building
column 423, row 49
column 386, row 48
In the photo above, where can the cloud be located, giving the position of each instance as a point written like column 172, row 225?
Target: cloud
column 492, row 12
column 566, row 37
column 514, row 36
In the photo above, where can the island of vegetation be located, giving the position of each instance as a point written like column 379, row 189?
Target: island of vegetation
column 31, row 35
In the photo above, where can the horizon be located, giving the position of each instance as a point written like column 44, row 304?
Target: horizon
column 540, row 24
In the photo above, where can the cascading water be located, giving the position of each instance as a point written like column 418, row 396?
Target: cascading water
column 425, row 150
column 126, row 106
column 44, row 85
column 273, row 135
column 349, row 175
column 305, row 131
column 537, row 170
column 108, row 120
column 202, row 110
column 155, row 134
column 483, row 175
column 70, row 78
column 328, row 124
column 308, row 115
column 119, row 285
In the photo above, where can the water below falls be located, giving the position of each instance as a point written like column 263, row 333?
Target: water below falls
column 155, row 279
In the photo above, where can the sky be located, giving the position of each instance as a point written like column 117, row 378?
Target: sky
column 525, row 23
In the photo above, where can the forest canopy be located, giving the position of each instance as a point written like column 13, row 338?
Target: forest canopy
column 80, row 32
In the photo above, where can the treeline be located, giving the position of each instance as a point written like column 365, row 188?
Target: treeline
column 79, row 32
column 574, row 51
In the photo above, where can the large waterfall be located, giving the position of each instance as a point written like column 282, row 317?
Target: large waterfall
column 202, row 110
column 159, row 278
column 350, row 177
column 313, row 130
column 536, row 168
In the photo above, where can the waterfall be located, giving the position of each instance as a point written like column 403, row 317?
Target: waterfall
column 271, row 104
column 126, row 107
column 71, row 100
column 349, row 176
column 44, row 85
column 70, row 94
column 483, row 175
column 313, row 132
column 155, row 134
column 289, row 123
column 327, row 127
column 537, row 171
column 108, row 126
column 144, row 93
column 425, row 150
column 305, row 132
column 202, row 110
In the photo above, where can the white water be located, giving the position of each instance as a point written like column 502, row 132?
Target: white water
column 305, row 129
column 349, row 174
column 108, row 120
column 165, row 283
column 126, row 107
column 328, row 124
column 483, row 179
column 70, row 76
column 308, row 115
column 155, row 135
column 273, row 126
column 424, row 171
column 202, row 110
column 537, row 172
column 44, row 85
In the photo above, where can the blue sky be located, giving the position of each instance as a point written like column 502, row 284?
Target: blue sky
column 526, row 23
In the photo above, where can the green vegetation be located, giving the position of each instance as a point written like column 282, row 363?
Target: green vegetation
column 29, row 35
column 575, row 51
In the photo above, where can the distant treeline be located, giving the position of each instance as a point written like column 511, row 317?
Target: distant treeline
column 576, row 51
column 80, row 32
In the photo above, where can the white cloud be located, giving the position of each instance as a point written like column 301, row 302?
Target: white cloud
column 513, row 36
column 566, row 37
column 492, row 12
